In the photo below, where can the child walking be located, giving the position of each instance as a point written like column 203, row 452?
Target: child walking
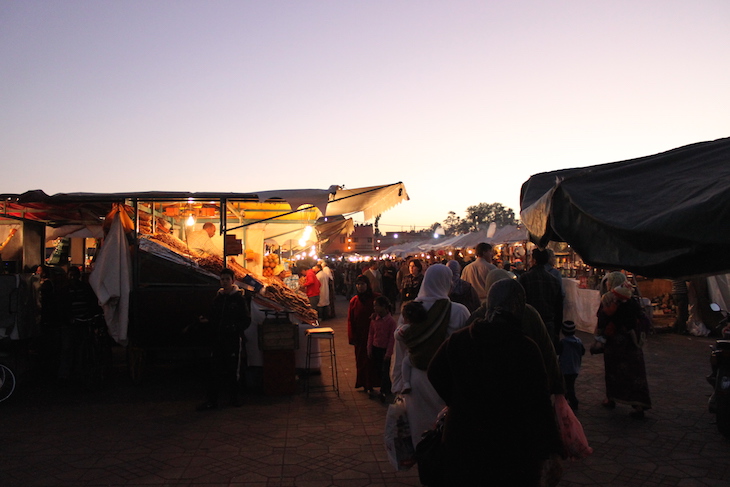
column 570, row 351
column 381, row 339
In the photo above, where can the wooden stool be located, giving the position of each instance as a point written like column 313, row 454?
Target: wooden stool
column 321, row 333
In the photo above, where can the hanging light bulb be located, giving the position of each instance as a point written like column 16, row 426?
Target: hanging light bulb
column 190, row 221
column 306, row 233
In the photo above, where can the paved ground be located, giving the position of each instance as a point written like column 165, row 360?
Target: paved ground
column 150, row 434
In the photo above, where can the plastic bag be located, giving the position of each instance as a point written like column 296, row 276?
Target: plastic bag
column 398, row 442
column 697, row 328
column 575, row 443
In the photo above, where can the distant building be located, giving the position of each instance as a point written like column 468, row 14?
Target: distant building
column 362, row 241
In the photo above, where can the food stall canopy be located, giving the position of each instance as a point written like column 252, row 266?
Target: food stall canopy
column 471, row 240
column 89, row 208
column 372, row 201
column 510, row 234
column 664, row 215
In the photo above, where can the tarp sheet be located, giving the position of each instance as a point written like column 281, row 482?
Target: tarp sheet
column 111, row 280
column 665, row 215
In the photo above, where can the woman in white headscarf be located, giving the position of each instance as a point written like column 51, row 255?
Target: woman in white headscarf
column 418, row 342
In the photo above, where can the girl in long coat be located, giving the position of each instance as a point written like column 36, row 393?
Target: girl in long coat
column 358, row 328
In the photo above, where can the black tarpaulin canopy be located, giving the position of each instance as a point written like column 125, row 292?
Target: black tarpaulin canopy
column 665, row 215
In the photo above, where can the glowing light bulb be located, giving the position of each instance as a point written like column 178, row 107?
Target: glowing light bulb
column 190, row 221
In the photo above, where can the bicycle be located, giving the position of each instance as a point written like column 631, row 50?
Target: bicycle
column 7, row 382
column 94, row 352
column 7, row 377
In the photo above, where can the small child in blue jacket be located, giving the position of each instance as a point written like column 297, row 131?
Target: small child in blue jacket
column 570, row 352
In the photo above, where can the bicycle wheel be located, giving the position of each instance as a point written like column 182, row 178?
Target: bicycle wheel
column 7, row 382
column 95, row 359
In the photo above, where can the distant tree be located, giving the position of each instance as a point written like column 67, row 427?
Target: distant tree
column 455, row 225
column 483, row 214
column 377, row 228
column 478, row 217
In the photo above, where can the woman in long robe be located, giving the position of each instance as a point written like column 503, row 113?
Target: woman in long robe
column 444, row 317
column 620, row 322
column 358, row 327
column 500, row 424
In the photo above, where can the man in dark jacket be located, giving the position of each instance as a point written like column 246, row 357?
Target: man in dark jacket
column 544, row 293
column 229, row 317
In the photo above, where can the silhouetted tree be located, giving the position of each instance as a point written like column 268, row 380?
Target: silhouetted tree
column 478, row 217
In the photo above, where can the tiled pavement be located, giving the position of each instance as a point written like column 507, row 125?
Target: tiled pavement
column 150, row 434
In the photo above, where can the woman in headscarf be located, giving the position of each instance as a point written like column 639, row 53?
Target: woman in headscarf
column 500, row 425
column 461, row 291
column 620, row 322
column 532, row 327
column 358, row 327
column 419, row 342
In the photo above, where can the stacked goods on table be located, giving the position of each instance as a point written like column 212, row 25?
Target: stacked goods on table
column 172, row 243
column 279, row 293
column 145, row 224
column 274, row 291
column 270, row 263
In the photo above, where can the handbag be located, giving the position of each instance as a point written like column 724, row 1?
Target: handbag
column 430, row 455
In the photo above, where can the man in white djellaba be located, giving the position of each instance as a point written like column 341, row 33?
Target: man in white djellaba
column 325, row 278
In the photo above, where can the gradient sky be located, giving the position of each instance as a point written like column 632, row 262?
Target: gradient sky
column 460, row 100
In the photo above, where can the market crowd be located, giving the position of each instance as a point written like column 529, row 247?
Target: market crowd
column 482, row 346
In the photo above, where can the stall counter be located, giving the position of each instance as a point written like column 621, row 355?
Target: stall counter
column 256, row 355
column 580, row 305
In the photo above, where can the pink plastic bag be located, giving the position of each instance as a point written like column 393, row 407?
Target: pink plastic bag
column 574, row 439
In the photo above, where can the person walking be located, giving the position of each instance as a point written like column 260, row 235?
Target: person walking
column 411, row 284
column 419, row 342
column 390, row 284
column 543, row 292
column 500, row 424
column 376, row 279
column 381, row 339
column 461, row 291
column 570, row 353
column 475, row 273
column 619, row 321
column 324, row 276
column 228, row 319
column 680, row 296
column 533, row 328
column 359, row 312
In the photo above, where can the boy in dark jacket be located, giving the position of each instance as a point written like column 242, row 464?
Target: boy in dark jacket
column 229, row 317
column 570, row 351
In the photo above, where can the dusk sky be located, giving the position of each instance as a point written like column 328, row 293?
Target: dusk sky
column 460, row 100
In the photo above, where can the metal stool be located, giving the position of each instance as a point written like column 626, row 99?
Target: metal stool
column 321, row 334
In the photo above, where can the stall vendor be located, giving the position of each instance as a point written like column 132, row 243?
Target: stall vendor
column 200, row 241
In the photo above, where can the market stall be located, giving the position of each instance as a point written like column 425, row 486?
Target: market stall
column 663, row 215
column 162, row 252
